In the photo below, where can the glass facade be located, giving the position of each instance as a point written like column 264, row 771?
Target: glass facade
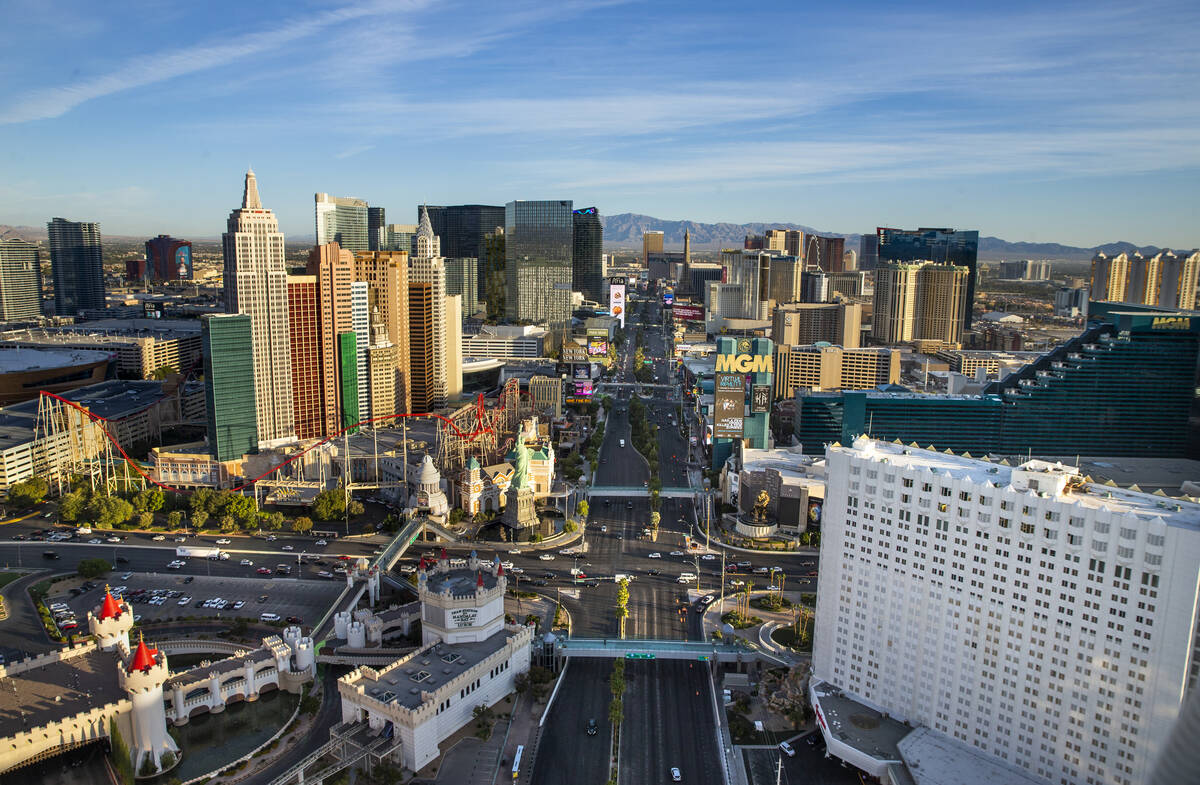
column 348, row 373
column 75, row 264
column 343, row 221
column 1088, row 397
column 944, row 246
column 539, row 243
column 462, row 277
column 587, row 260
column 228, row 389
column 463, row 228
column 20, row 280
column 376, row 221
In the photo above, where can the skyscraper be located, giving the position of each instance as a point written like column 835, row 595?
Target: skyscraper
column 304, row 342
column 20, row 280
column 824, row 252
column 376, row 221
column 229, row 390
column 652, row 242
column 785, row 279
column 342, row 220
column 423, row 374
column 334, row 268
column 539, row 243
column 76, row 265
column 387, row 274
column 399, row 237
column 868, row 251
column 587, row 263
column 749, row 270
column 943, row 246
column 919, row 302
column 453, row 345
column 360, row 313
column 1166, row 280
column 256, row 285
column 382, row 361
column 463, row 228
column 428, row 268
column 168, row 259
column 461, row 279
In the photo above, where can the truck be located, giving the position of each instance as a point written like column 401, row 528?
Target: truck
column 184, row 551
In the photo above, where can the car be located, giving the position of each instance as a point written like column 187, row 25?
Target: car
column 114, row 538
column 675, row 775
column 181, row 539
column 126, row 576
column 603, row 529
column 224, row 541
column 294, row 620
column 268, row 617
column 283, row 569
column 247, row 563
column 629, row 505
column 678, row 553
column 592, row 728
column 322, row 542
column 516, row 570
column 408, row 569
column 743, row 564
column 787, row 749
column 506, row 565
column 654, row 572
column 327, row 574
column 238, row 604
column 708, row 556
column 119, row 590
column 761, row 570
column 201, row 604
column 708, row 599
column 262, row 598
column 189, row 579
column 271, row 538
column 515, row 550
column 541, row 582
column 263, row 570
column 546, row 557
column 288, row 548
column 184, row 601
column 731, row 568
column 773, row 588
column 175, row 565
column 654, row 556
column 95, row 541
column 159, row 537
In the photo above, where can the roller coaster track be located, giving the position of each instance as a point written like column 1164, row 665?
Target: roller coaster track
column 471, row 436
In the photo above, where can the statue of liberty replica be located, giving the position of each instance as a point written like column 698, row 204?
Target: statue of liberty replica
column 519, row 514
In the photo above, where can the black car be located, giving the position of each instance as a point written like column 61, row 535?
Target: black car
column 654, row 572
column 122, row 560
column 591, row 727
column 541, row 582
column 548, row 574
column 294, row 620
column 189, row 579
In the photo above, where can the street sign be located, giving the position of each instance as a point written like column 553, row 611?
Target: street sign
column 636, row 655
column 702, row 657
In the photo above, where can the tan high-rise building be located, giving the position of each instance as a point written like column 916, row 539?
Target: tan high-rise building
column 1167, row 279
column 256, row 285
column 386, row 272
column 787, row 241
column 333, row 267
column 382, row 359
column 785, row 279
column 431, row 270
column 304, row 331
column 546, row 393
column 423, row 373
column 919, row 301
column 1178, row 279
column 1109, row 274
column 822, row 368
column 652, row 242
column 453, row 346
column 799, row 324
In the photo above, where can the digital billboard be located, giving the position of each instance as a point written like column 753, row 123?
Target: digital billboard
column 597, row 346
column 616, row 299
column 582, row 371
column 729, row 405
column 760, row 399
column 692, row 313
column 183, row 261
column 668, row 297
column 562, row 369
column 583, row 388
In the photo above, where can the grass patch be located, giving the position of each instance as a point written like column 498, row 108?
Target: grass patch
column 770, row 602
column 788, row 637
column 8, row 577
column 739, row 621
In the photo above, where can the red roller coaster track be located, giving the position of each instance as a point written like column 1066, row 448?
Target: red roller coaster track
column 136, row 467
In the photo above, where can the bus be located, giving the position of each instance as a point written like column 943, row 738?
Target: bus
column 517, row 761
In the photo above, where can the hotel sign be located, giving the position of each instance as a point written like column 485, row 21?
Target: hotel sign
column 745, row 363
column 1171, row 323
column 463, row 617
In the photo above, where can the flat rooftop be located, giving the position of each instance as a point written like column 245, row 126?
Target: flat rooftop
column 58, row 690
column 20, row 359
column 425, row 670
column 934, row 759
column 112, row 399
column 858, row 725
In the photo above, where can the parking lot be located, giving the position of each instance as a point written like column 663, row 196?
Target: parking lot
column 807, row 765
column 305, row 599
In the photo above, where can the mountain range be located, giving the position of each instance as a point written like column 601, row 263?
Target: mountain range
column 625, row 231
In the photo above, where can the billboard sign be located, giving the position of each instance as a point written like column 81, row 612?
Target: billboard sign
column 582, row 371
column 760, row 399
column 583, row 389
column 597, row 346
column 668, row 297
column 616, row 299
column 183, row 262
column 729, row 405
column 692, row 313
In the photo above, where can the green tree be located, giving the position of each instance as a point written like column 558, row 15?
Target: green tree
column 203, row 500
column 163, row 371
column 145, row 520
column 29, row 492
column 199, row 518
column 228, row 523
column 329, row 505
column 72, row 505
column 93, row 568
column 356, row 508
column 622, row 604
column 302, row 524
column 569, row 526
column 274, row 521
column 174, row 519
column 582, row 509
column 242, row 508
column 616, row 711
column 108, row 511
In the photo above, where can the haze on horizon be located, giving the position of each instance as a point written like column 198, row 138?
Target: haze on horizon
column 1027, row 121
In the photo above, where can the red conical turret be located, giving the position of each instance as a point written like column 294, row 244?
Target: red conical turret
column 479, row 580
column 143, row 657
column 500, row 571
column 422, row 566
column 444, row 557
column 109, row 609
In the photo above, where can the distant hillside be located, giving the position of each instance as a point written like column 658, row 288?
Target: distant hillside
column 30, row 234
column 625, row 231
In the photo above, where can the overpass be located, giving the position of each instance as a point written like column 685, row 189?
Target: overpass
column 638, row 491
column 703, row 651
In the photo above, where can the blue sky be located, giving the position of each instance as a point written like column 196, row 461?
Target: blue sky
column 1067, row 122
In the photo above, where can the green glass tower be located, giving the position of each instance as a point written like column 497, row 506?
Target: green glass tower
column 228, row 387
column 348, row 372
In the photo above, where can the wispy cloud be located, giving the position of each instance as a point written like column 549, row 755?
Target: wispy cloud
column 155, row 68
column 362, row 148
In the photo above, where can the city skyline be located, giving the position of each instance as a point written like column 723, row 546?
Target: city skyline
column 1013, row 122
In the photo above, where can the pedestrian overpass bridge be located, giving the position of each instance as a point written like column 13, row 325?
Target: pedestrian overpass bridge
column 638, row 491
column 647, row 649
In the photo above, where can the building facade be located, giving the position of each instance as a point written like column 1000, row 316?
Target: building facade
column 333, row 268
column 304, row 342
column 168, row 259
column 462, row 278
column 505, row 342
column 827, row 253
column 1166, row 280
column 919, row 301
column 539, row 243
column 76, row 266
column 20, row 280
column 387, row 274
column 463, row 228
column 342, row 220
column 807, row 323
column 228, row 344
column 942, row 246
column 376, row 223
column 833, row 368
column 256, row 285
column 652, row 242
column 427, row 267
column 1025, row 270
column 587, row 263
column 1061, row 613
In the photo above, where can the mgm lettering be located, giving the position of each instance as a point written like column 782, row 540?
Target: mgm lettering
column 745, row 363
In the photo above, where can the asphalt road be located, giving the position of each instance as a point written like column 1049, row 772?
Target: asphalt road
column 668, row 722
column 566, row 755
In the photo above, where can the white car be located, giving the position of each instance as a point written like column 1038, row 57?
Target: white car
column 246, row 563
column 516, row 571
column 184, row 600
column 506, row 565
column 772, row 588
column 114, row 538
column 515, row 551
column 675, row 775
column 159, row 537
column 678, row 553
column 787, row 749
column 654, row 556
column 322, row 542
column 119, row 590
column 181, row 539
column 288, row 548
column 407, row 569
column 546, row 557
column 708, row 557
column 224, row 541
column 95, row 541
column 175, row 565
column 238, row 604
column 328, row 574
column 126, row 576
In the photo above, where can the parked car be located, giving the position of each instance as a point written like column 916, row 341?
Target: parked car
column 787, row 749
